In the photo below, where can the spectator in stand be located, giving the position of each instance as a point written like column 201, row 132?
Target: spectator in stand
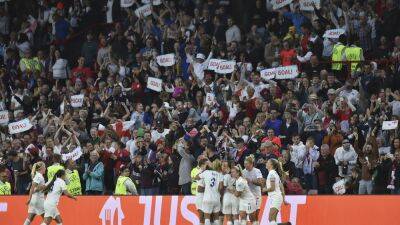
column 345, row 158
column 326, row 170
column 94, row 175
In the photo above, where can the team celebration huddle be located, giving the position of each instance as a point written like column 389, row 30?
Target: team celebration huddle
column 226, row 192
column 142, row 109
column 43, row 206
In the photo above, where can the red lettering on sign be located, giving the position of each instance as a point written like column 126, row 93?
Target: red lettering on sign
column 18, row 126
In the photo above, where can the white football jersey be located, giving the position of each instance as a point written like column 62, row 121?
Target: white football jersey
column 243, row 187
column 253, row 175
column 212, row 179
column 59, row 186
column 39, row 180
column 274, row 177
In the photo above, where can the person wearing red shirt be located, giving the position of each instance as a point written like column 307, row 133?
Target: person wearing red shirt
column 343, row 109
column 121, row 156
column 272, row 138
column 287, row 54
column 81, row 72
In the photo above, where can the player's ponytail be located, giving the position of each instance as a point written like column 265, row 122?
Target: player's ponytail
column 58, row 174
column 37, row 166
column 278, row 167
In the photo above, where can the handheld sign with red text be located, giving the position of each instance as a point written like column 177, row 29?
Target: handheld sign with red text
column 334, row 33
column 4, row 117
column 268, row 74
column 144, row 10
column 213, row 64
column 210, row 99
column 277, row 4
column 154, row 84
column 280, row 73
column 390, row 125
column 339, row 187
column 306, row 5
column 19, row 126
column 225, row 67
column 74, row 155
column 77, row 100
column 166, row 60
column 127, row 3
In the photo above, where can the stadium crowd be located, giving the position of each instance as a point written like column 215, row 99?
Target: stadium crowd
column 74, row 93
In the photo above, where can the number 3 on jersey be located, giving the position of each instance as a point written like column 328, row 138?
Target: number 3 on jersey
column 212, row 182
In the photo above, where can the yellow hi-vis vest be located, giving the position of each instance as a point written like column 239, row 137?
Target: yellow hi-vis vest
column 120, row 188
column 337, row 56
column 195, row 171
column 74, row 186
column 5, row 188
column 353, row 53
column 52, row 170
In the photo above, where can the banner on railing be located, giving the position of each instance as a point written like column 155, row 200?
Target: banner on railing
column 174, row 210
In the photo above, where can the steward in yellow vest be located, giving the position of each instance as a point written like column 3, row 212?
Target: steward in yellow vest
column 201, row 166
column 195, row 171
column 337, row 53
column 52, row 170
column 74, row 186
column 125, row 185
column 5, row 186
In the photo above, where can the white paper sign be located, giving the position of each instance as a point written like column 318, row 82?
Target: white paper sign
column 277, row 4
column 77, row 100
column 155, row 2
column 74, row 155
column 268, row 74
column 280, row 73
column 339, row 187
column 248, row 66
column 390, row 125
column 225, row 67
column 19, row 126
column 154, row 84
column 127, row 3
column 334, row 33
column 210, row 99
column 306, row 5
column 213, row 64
column 166, row 60
column 144, row 10
column 4, row 117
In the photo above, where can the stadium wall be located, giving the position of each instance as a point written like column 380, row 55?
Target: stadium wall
column 172, row 210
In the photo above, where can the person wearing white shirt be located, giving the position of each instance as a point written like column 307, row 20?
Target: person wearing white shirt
column 36, row 195
column 351, row 94
column 345, row 158
column 160, row 132
column 56, row 187
column 275, row 189
column 297, row 154
column 200, row 63
column 310, row 158
column 247, row 201
column 213, row 185
column 233, row 32
column 230, row 203
column 255, row 182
